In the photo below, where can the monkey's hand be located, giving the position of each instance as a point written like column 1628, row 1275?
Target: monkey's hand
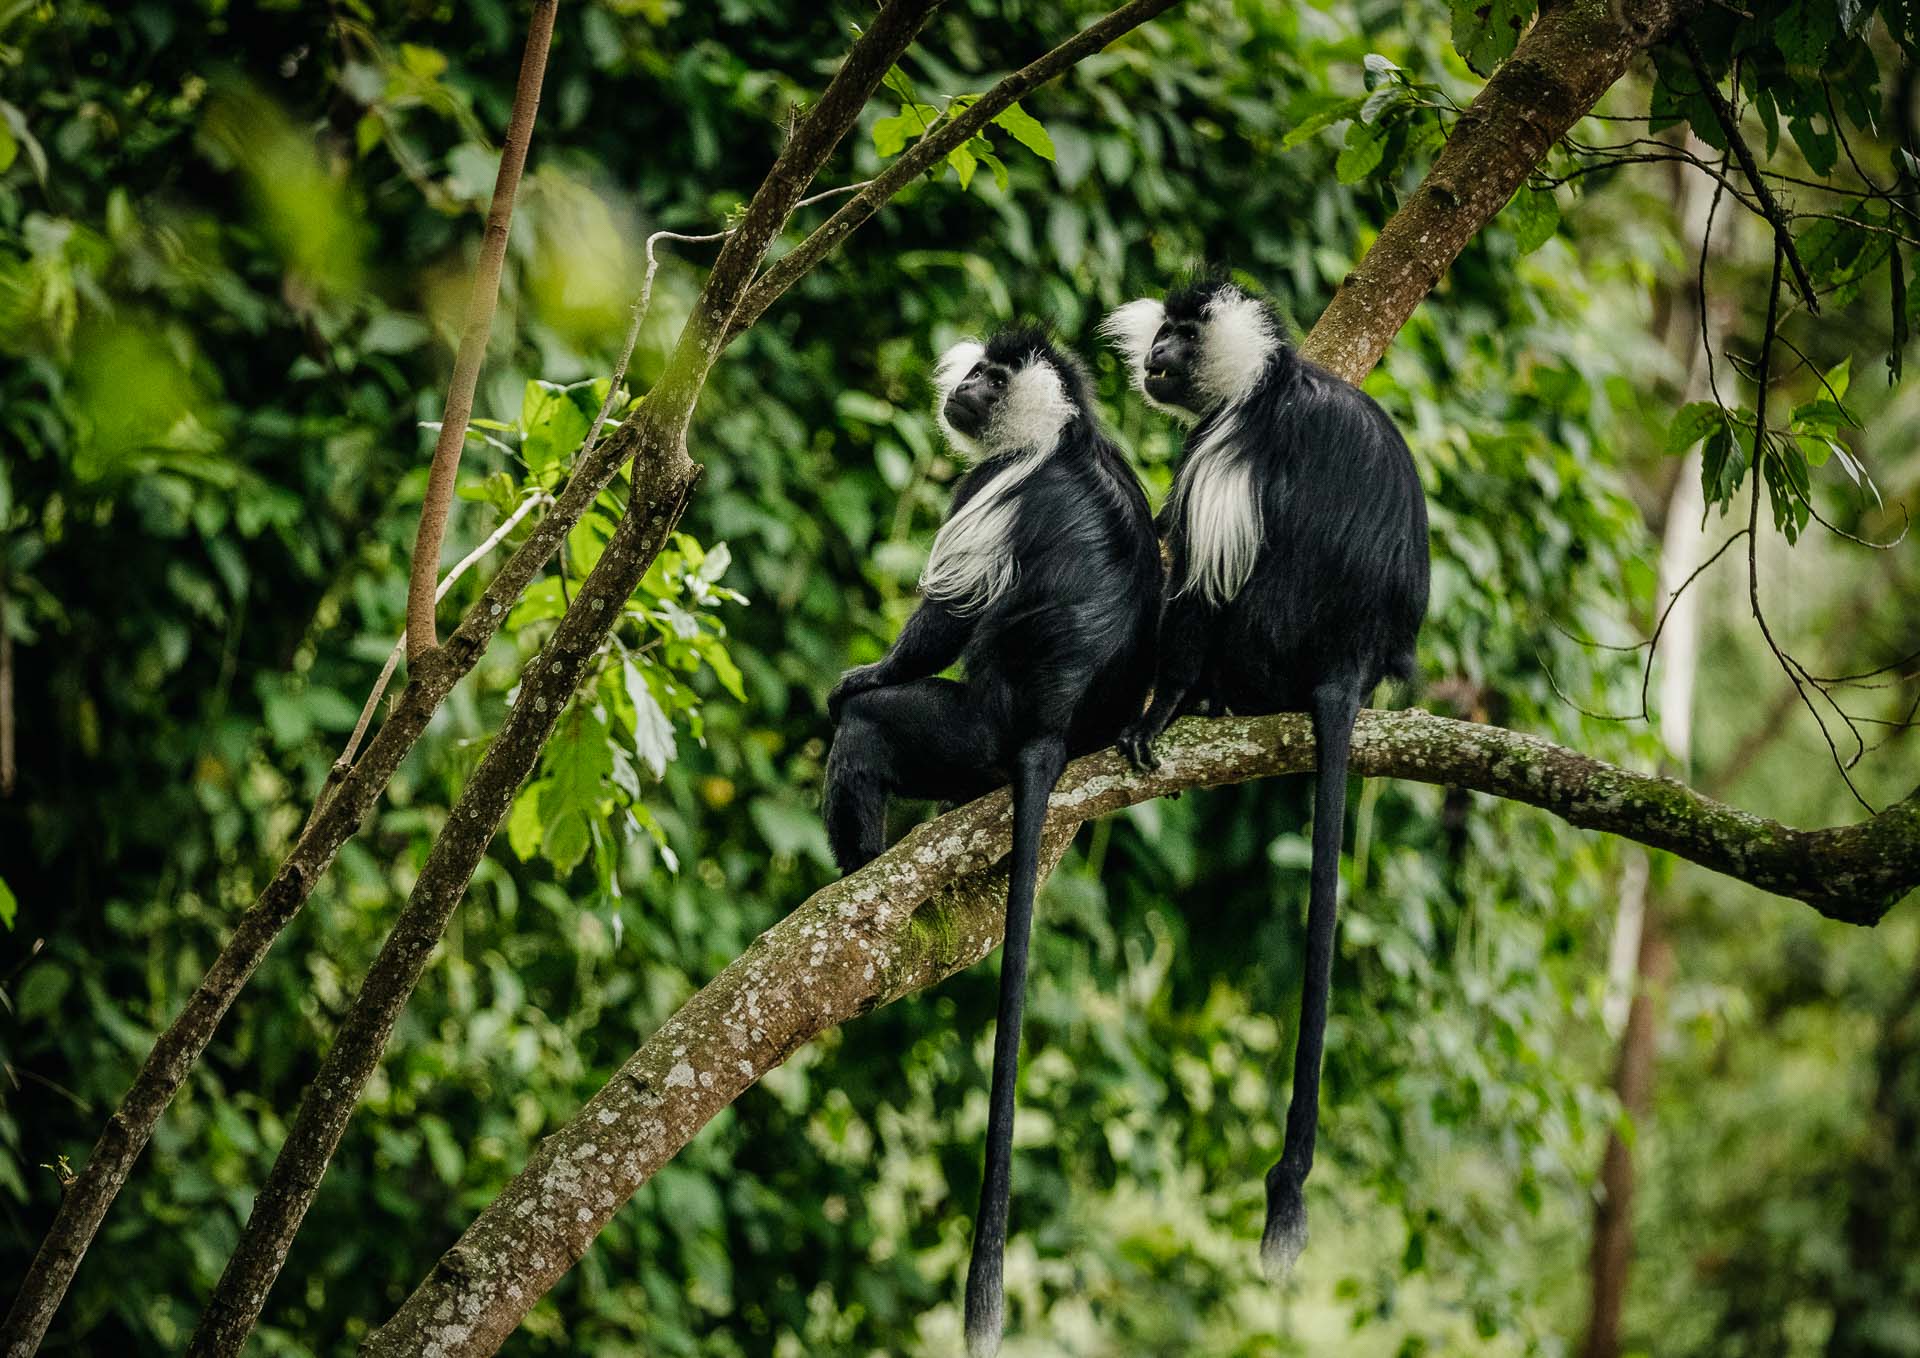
column 1136, row 743
column 860, row 679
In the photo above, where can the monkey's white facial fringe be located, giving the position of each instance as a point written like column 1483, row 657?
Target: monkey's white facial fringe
column 1132, row 329
column 971, row 564
column 949, row 371
column 1223, row 526
column 1033, row 412
column 1235, row 345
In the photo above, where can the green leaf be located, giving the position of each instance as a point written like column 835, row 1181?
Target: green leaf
column 891, row 135
column 41, row 990
column 964, row 164
column 1694, row 422
column 9, row 904
column 524, row 830
column 1365, row 146
column 1025, row 129
column 566, row 843
column 652, row 731
column 1533, row 216
column 9, row 147
column 1336, row 112
column 1485, row 32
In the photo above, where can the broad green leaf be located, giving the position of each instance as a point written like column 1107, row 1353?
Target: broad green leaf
column 1325, row 118
column 1486, row 31
column 566, row 843
column 1025, row 129
column 1694, row 422
column 9, row 904
column 524, row 830
column 1533, row 216
column 964, row 164
column 1365, row 146
column 652, row 731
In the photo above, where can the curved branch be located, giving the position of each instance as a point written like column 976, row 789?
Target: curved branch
column 1567, row 60
column 934, row 904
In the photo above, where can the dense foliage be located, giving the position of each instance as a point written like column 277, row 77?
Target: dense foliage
column 233, row 244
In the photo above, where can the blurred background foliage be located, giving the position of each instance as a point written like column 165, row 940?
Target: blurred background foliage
column 234, row 240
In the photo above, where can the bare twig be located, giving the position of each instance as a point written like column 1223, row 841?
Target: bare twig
column 445, row 469
column 1769, row 205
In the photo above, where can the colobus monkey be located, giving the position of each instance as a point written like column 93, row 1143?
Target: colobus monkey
column 1045, row 582
column 1297, row 532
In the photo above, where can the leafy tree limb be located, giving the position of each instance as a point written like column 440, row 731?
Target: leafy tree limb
column 930, row 906
column 1567, row 60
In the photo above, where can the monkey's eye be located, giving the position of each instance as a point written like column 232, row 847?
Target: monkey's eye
column 1186, row 330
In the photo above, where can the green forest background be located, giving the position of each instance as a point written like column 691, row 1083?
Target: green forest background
column 234, row 247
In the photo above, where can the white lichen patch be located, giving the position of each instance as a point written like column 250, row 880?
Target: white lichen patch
column 681, row 1076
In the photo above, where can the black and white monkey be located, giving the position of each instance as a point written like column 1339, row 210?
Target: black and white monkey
column 1297, row 532
column 1045, row 584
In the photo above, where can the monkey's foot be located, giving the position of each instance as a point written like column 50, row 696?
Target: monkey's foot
column 1286, row 1233
column 1136, row 743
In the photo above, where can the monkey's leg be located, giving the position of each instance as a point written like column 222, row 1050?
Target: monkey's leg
column 922, row 739
column 1036, row 769
column 1183, row 645
column 1334, row 708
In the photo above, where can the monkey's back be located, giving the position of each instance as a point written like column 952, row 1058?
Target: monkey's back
column 1339, row 586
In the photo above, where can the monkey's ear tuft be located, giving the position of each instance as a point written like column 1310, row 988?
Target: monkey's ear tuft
column 954, row 365
column 1132, row 328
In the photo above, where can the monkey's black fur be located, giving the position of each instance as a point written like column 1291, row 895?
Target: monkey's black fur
column 1056, row 664
column 1332, row 605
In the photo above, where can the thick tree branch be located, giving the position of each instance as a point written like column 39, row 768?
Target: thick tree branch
column 929, row 907
column 1569, row 58
column 444, row 470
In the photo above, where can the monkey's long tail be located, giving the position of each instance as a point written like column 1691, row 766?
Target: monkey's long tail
column 1036, row 769
column 1334, row 710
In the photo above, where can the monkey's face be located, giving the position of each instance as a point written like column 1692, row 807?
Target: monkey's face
column 971, row 407
column 1168, row 368
column 1016, row 391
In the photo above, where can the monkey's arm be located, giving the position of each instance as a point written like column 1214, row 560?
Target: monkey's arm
column 932, row 640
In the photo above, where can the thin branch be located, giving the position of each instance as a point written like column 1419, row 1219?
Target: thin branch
column 1757, row 470
column 1769, row 205
column 934, row 904
column 444, row 472
column 930, row 150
